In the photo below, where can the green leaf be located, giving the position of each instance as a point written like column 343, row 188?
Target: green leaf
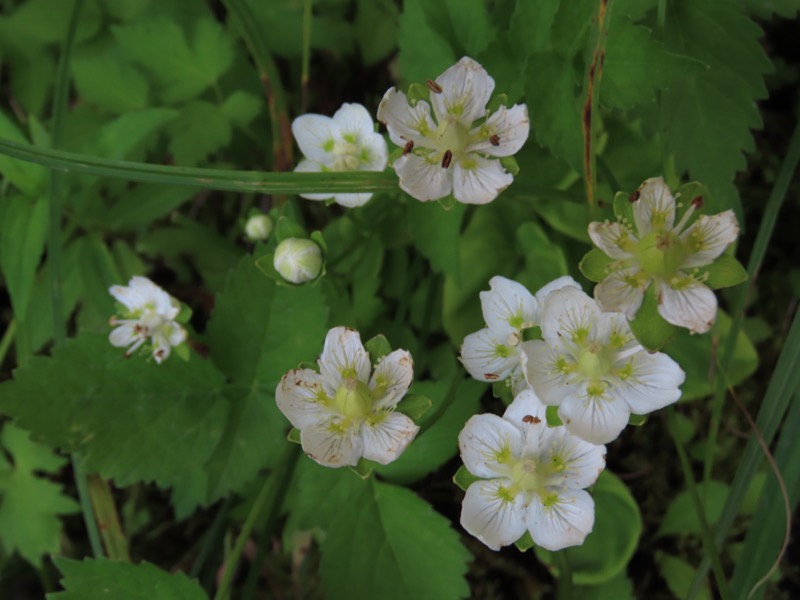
column 530, row 27
column 424, row 52
column 551, row 416
column 414, row 406
column 105, row 80
column 681, row 516
column 240, row 108
column 678, row 574
column 435, row 232
column 119, row 138
column 463, row 478
column 31, row 504
column 373, row 549
column 46, row 21
column 31, row 85
column 101, row 579
column 569, row 218
column 724, row 272
column 377, row 25
column 525, row 542
column 294, row 435
column 378, row 347
column 618, row 588
column 24, row 176
column 544, row 259
column 649, row 327
column 594, row 265
column 201, row 130
column 141, row 205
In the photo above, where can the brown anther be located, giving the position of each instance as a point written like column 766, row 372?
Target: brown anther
column 531, row 419
column 494, row 140
column 634, row 196
column 408, row 147
column 447, row 158
column 434, row 87
column 491, row 376
column 697, row 202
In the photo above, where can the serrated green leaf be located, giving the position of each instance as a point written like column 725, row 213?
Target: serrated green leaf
column 681, row 516
column 101, row 579
column 463, row 478
column 31, row 504
column 724, row 272
column 530, row 26
column 373, row 549
column 435, row 232
column 594, row 265
column 378, row 347
column 105, row 80
column 649, row 327
column 200, row 130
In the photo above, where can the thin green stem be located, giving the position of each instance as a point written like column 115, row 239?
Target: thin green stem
column 211, row 538
column 86, row 508
column 564, row 576
column 8, row 338
column 105, row 510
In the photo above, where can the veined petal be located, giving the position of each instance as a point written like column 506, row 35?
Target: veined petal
column 405, row 122
column 598, row 420
column 423, row 179
column 342, row 356
column 350, row 200
column 332, row 444
column 556, row 284
column 487, row 444
column 568, row 315
column 622, row 291
column 563, row 520
column 688, row 304
column 386, row 440
column 525, row 404
column 300, row 398
column 374, row 153
column 614, row 239
column 141, row 292
column 508, row 307
column 708, row 237
column 123, row 336
column 653, row 382
column 391, row 379
column 580, row 462
column 548, row 371
column 466, row 89
column 510, row 125
column 655, row 208
column 309, row 166
column 486, row 357
column 354, row 120
column 316, row 136
column 488, row 514
column 481, row 181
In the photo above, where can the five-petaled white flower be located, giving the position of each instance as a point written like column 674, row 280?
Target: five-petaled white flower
column 453, row 151
column 493, row 353
column 659, row 253
column 346, row 142
column 590, row 365
column 532, row 478
column 341, row 412
column 149, row 314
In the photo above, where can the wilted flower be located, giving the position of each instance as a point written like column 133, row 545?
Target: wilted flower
column 455, row 150
column 343, row 413
column 590, row 365
column 258, row 227
column 532, row 478
column 659, row 252
column 346, row 142
column 149, row 315
column 298, row 260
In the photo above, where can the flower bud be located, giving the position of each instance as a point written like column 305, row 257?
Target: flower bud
column 298, row 260
column 258, row 227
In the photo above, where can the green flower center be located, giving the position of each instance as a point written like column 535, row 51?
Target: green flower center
column 660, row 253
column 452, row 135
column 353, row 399
column 595, row 361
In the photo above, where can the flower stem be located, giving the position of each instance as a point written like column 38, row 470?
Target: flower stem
column 564, row 576
column 8, row 337
column 106, row 513
column 86, row 508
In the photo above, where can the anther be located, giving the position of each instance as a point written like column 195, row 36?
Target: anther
column 408, row 147
column 494, row 140
column 634, row 196
column 447, row 158
column 697, row 202
column 434, row 87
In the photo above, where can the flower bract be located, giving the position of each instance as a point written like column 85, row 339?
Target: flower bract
column 451, row 145
column 148, row 315
column 342, row 412
column 345, row 142
column 656, row 251
column 590, row 365
column 532, row 478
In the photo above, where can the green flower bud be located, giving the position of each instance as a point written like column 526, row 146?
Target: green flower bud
column 298, row 260
column 258, row 228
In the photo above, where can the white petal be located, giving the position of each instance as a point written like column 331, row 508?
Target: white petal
column 332, row 445
column 526, row 404
column 354, row 120
column 422, row 179
column 300, row 398
column 568, row 314
column 466, row 89
column 351, row 200
column 309, row 166
column 556, row 284
column 622, row 291
column 596, row 420
column 481, row 182
column 487, row 358
column 122, row 336
column 582, row 462
column 508, row 307
column 487, row 442
column 405, row 122
column 490, row 517
column 316, row 136
column 141, row 292
column 693, row 305
column 343, row 356
column 566, row 522
column 708, row 238
column 652, row 384
column 614, row 239
column 387, row 440
column 374, row 153
column 542, row 365
column 655, row 207
column 393, row 375
column 510, row 125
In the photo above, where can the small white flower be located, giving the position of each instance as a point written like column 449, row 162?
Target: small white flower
column 453, row 150
column 298, row 260
column 149, row 315
column 346, row 142
column 657, row 251
column 532, row 478
column 590, row 365
column 493, row 353
column 258, row 228
column 343, row 413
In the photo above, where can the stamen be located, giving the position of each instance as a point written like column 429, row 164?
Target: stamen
column 434, row 87
column 408, row 147
column 494, row 140
column 696, row 203
column 629, row 352
column 447, row 158
column 634, row 196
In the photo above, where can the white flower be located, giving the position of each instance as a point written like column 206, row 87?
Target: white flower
column 590, row 366
column 532, row 478
column 453, row 151
column 493, row 353
column 258, row 227
column 298, row 260
column 346, row 142
column 343, row 413
column 149, row 315
column 658, row 252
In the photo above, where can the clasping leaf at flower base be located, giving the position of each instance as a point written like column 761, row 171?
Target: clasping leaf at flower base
column 649, row 327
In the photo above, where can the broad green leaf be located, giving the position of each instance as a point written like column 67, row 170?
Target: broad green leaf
column 240, row 108
column 724, row 272
column 26, row 177
column 125, row 10
column 594, row 265
column 765, row 10
column 544, row 259
column 414, row 406
column 29, row 503
column 681, row 516
column 649, row 327
column 424, row 52
column 377, row 25
column 31, row 84
column 530, row 27
column 101, row 579
column 618, row 588
column 378, row 347
column 46, row 21
column 390, row 544
column 201, row 129
column 141, row 205
column 105, row 80
column 436, row 233
column 678, row 574
column 567, row 217
column 117, row 139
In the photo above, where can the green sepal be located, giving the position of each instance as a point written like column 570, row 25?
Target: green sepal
column 316, row 236
column 417, row 92
column 649, row 327
column 395, row 154
column 510, row 164
column 185, row 315
column 294, row 435
column 182, row 351
column 463, row 478
column 637, row 420
column 286, row 228
column 623, row 207
column 496, row 102
column 364, row 468
column 308, row 364
column 502, row 391
column 724, row 272
column 532, row 333
column 594, row 265
column 414, row 406
column 551, row 416
column 378, row 347
column 448, row 202
column 525, row 542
